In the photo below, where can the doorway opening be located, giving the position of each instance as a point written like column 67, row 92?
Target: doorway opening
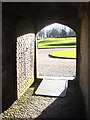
column 56, row 59
column 56, row 52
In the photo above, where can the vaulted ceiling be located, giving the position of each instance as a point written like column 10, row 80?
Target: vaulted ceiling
column 33, row 16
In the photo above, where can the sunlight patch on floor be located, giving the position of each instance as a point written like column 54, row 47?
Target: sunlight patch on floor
column 52, row 87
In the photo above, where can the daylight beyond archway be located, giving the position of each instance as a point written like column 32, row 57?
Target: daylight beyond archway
column 56, row 53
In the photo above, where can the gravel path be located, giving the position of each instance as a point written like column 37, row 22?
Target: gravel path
column 30, row 106
column 56, row 67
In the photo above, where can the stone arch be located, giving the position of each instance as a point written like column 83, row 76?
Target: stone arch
column 67, row 25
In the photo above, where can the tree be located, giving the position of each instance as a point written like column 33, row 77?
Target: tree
column 52, row 33
column 48, row 33
column 41, row 34
column 63, row 33
column 71, row 33
column 56, row 31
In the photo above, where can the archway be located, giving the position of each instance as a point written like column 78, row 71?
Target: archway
column 56, row 37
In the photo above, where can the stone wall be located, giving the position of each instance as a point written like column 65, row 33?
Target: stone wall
column 25, row 62
column 84, row 57
column 0, row 57
column 9, row 82
column 89, row 62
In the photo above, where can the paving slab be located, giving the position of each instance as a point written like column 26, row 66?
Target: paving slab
column 52, row 87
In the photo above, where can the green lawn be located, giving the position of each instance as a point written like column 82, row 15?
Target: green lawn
column 57, row 42
column 64, row 53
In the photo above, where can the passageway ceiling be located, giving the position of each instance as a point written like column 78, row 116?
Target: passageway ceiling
column 32, row 17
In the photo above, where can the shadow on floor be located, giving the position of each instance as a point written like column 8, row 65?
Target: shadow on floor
column 71, row 106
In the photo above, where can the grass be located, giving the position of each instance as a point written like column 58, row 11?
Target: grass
column 64, row 54
column 57, row 42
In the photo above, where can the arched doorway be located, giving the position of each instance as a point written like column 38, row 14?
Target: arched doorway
column 52, row 41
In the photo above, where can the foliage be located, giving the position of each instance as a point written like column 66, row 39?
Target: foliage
column 41, row 34
column 53, row 33
column 56, row 32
